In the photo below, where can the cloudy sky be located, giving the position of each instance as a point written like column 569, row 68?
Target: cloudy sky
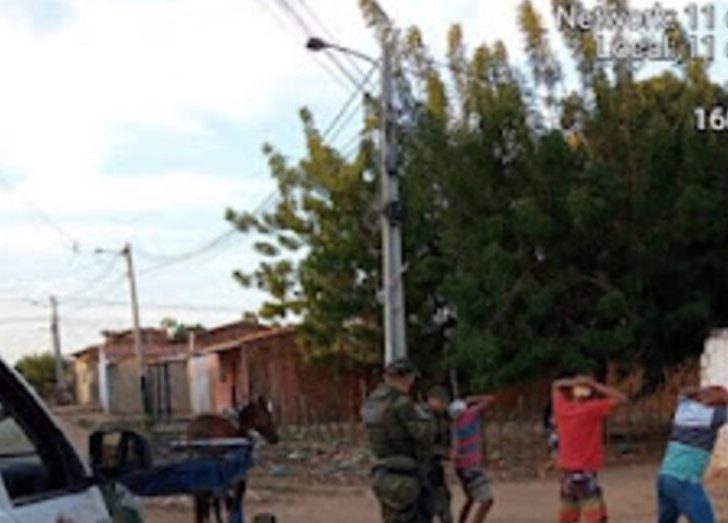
column 141, row 121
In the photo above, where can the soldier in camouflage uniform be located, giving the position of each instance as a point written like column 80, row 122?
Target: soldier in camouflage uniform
column 438, row 399
column 400, row 437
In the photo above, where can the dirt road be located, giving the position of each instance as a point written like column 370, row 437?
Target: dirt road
column 629, row 492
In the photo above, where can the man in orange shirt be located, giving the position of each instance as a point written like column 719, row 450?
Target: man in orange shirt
column 580, row 406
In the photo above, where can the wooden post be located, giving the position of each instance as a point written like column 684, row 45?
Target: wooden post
column 518, row 427
column 499, row 429
column 534, row 440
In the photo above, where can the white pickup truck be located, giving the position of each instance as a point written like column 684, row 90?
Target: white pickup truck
column 42, row 477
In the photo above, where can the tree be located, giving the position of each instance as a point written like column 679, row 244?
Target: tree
column 39, row 370
column 327, row 209
column 547, row 227
column 178, row 331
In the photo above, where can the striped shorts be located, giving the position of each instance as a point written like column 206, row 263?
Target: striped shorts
column 581, row 498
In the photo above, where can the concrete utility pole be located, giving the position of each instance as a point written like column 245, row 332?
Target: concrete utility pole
column 138, row 350
column 392, row 211
column 56, row 337
column 392, row 217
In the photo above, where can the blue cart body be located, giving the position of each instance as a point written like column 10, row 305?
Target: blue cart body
column 215, row 473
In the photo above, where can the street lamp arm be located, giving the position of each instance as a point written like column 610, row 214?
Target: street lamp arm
column 318, row 44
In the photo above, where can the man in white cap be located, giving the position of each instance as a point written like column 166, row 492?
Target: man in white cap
column 468, row 456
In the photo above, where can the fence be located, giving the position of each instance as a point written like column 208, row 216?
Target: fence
column 515, row 438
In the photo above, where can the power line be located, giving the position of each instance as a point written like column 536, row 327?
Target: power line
column 282, row 25
column 106, row 288
column 95, row 281
column 266, row 203
column 347, row 105
column 188, row 306
column 41, row 214
column 75, row 271
column 314, row 16
column 351, row 146
column 174, row 260
column 209, row 245
column 288, row 8
column 213, row 244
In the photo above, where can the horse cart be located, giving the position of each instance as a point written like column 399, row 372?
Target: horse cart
column 213, row 471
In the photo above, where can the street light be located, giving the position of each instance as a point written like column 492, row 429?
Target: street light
column 391, row 207
column 318, row 44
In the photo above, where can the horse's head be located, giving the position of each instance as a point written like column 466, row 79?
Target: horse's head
column 257, row 416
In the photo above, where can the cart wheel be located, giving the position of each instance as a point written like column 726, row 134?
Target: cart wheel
column 265, row 518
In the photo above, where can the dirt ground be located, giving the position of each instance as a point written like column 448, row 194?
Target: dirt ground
column 629, row 492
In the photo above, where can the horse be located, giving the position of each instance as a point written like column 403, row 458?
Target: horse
column 254, row 416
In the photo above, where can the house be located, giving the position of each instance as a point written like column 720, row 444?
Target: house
column 86, row 376
column 271, row 362
column 214, row 370
column 107, row 374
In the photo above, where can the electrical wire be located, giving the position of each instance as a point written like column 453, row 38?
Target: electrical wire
column 188, row 306
column 42, row 215
column 103, row 291
column 352, row 145
column 334, row 125
column 174, row 260
column 213, row 244
column 317, row 19
column 324, row 65
column 288, row 8
column 207, row 246
column 95, row 281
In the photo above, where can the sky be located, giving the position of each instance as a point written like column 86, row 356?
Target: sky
column 141, row 121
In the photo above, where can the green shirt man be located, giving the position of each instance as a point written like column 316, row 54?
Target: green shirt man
column 400, row 436
column 438, row 398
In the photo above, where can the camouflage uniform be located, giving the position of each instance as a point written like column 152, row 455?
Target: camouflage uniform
column 440, row 453
column 400, row 437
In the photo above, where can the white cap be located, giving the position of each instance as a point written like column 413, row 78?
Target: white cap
column 456, row 408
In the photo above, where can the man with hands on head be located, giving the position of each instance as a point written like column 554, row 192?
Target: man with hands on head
column 581, row 405
column 468, row 456
column 699, row 415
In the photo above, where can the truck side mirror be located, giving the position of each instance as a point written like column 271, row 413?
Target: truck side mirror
column 115, row 453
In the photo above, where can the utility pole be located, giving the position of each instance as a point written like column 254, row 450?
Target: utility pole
column 392, row 211
column 126, row 252
column 392, row 216
column 56, row 337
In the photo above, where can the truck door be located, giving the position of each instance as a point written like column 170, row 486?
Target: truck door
column 42, row 479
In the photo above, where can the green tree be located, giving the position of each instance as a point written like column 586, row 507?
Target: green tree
column 320, row 249
column 179, row 331
column 39, row 370
column 547, row 226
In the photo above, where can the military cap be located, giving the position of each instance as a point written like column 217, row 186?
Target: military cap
column 440, row 392
column 401, row 367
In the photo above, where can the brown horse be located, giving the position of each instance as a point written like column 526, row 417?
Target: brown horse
column 254, row 416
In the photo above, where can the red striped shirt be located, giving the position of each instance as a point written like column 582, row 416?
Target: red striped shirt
column 468, row 442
